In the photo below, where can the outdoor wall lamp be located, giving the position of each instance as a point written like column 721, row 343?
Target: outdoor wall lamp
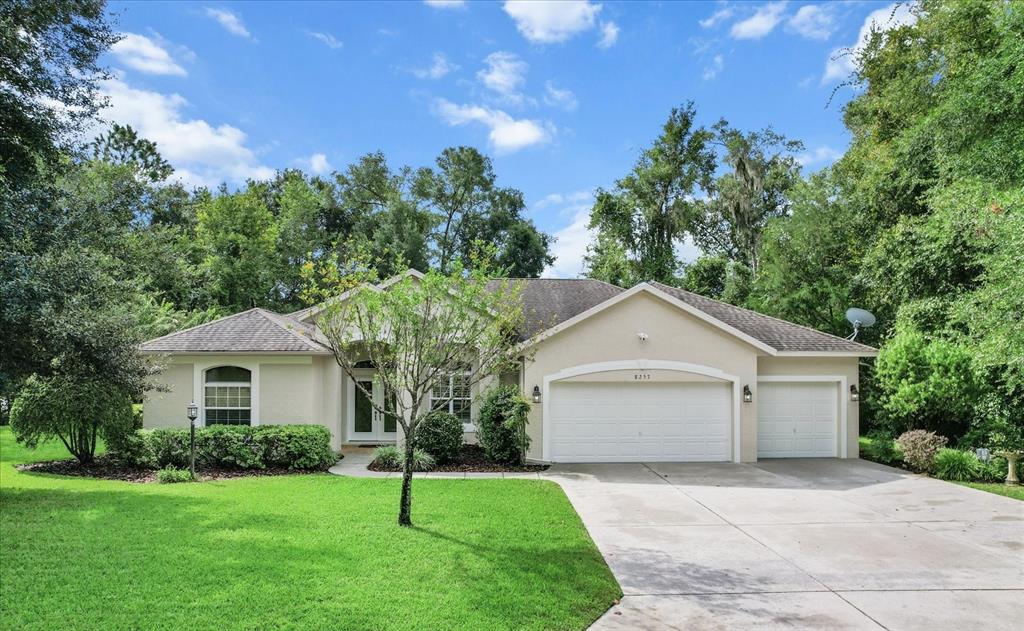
column 748, row 396
column 536, row 394
column 854, row 393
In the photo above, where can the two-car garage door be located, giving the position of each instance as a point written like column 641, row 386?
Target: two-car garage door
column 640, row 422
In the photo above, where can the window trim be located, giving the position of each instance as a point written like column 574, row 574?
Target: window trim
column 450, row 403
column 201, row 384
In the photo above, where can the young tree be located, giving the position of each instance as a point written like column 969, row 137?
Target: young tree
column 647, row 210
column 417, row 331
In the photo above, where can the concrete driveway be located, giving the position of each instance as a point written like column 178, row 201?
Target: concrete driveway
column 793, row 544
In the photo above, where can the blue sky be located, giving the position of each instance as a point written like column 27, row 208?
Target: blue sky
column 561, row 95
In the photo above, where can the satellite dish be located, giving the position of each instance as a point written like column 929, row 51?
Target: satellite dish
column 859, row 318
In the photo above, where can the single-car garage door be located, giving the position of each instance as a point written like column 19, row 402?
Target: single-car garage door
column 640, row 422
column 796, row 419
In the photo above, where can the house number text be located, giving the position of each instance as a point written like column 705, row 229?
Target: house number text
column 641, row 376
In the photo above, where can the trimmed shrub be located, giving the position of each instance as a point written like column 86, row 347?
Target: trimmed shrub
column 956, row 465
column 440, row 435
column 306, row 447
column 502, row 425
column 295, row 446
column 133, row 450
column 387, row 457
column 170, row 446
column 228, row 446
column 919, row 449
column 881, row 447
column 171, row 475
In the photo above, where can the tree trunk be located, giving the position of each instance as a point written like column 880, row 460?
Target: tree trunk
column 405, row 505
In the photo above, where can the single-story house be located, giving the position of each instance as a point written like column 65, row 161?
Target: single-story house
column 652, row 373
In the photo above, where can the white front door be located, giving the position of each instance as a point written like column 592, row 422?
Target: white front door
column 640, row 422
column 797, row 419
column 366, row 423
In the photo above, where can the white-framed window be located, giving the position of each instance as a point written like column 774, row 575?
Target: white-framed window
column 452, row 394
column 227, row 396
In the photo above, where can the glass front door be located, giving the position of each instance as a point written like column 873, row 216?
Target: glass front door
column 366, row 421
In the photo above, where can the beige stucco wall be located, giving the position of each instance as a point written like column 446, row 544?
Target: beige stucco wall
column 286, row 389
column 847, row 367
column 673, row 335
column 168, row 409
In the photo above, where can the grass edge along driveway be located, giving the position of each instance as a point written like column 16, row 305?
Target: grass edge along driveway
column 304, row 551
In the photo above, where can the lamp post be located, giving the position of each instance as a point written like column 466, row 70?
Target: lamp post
column 193, row 413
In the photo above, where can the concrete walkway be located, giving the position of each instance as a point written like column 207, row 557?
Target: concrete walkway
column 800, row 544
column 356, row 460
column 792, row 544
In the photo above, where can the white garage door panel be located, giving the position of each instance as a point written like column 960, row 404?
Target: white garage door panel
column 631, row 422
column 796, row 420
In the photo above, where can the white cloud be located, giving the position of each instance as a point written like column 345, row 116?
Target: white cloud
column 439, row 68
column 143, row 54
column 506, row 134
column 318, row 164
column 229, row 21
column 505, row 74
column 764, row 20
column 571, row 241
column 558, row 97
column 202, row 154
column 551, row 21
column 609, row 35
column 711, row 70
column 823, row 155
column 555, row 199
column 716, row 18
column 329, row 40
column 812, row 22
column 841, row 61
column 445, row 4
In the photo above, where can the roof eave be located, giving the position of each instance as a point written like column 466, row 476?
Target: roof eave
column 222, row 352
column 851, row 353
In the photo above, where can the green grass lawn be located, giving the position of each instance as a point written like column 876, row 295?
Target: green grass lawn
column 293, row 552
column 1015, row 491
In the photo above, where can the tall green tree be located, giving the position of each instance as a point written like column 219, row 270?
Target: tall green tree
column 648, row 210
column 763, row 168
column 239, row 236
column 810, row 260
column 49, row 80
column 469, row 207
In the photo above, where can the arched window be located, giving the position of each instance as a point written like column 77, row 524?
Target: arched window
column 228, row 396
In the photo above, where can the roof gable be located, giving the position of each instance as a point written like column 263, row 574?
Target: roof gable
column 782, row 335
column 252, row 331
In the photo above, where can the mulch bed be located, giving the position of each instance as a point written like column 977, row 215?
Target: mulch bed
column 105, row 469
column 472, row 460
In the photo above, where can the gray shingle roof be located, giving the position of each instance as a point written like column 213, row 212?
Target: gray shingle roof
column 255, row 330
column 550, row 301
column 779, row 334
column 546, row 303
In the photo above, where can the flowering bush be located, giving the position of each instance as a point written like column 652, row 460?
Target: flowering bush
column 920, row 448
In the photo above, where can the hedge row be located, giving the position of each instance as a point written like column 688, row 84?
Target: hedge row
column 306, row 447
